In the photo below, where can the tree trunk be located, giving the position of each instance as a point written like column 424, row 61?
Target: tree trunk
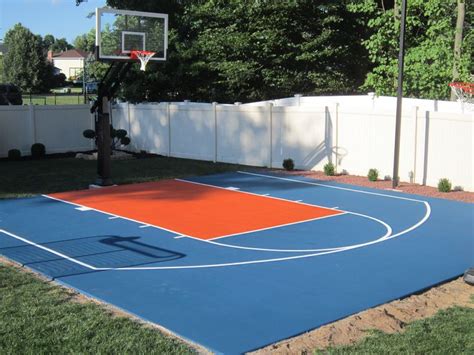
column 458, row 42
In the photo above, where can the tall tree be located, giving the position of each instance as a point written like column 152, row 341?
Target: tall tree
column 86, row 41
column 429, row 55
column 251, row 50
column 60, row 45
column 25, row 62
column 48, row 41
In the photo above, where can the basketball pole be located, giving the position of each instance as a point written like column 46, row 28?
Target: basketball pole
column 398, row 120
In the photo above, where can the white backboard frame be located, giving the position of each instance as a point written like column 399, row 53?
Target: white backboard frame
column 106, row 10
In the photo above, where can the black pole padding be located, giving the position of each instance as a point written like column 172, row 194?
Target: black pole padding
column 103, row 145
column 398, row 120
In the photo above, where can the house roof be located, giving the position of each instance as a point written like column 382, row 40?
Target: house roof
column 72, row 53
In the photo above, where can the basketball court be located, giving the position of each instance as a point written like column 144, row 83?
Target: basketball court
column 237, row 261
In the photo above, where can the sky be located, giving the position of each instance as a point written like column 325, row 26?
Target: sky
column 61, row 18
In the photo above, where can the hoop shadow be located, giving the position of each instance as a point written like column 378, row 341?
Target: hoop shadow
column 109, row 251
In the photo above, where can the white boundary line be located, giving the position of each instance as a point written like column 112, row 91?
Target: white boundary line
column 337, row 250
column 329, row 186
column 49, row 250
column 278, row 226
column 254, row 194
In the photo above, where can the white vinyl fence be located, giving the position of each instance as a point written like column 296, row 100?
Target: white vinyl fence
column 356, row 133
column 59, row 128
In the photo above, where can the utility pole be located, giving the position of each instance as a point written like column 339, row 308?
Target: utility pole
column 398, row 120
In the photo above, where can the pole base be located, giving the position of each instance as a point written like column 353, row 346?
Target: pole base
column 103, row 182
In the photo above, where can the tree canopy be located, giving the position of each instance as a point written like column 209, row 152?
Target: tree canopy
column 430, row 33
column 25, row 61
column 245, row 50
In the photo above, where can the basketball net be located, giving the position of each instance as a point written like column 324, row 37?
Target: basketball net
column 464, row 93
column 143, row 56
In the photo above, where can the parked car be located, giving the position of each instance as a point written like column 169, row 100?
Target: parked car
column 91, row 88
column 10, row 95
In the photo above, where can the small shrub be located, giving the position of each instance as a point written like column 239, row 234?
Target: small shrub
column 14, row 154
column 125, row 140
column 89, row 133
column 38, row 150
column 373, row 174
column 458, row 188
column 329, row 169
column 120, row 133
column 387, row 178
column 444, row 185
column 289, row 164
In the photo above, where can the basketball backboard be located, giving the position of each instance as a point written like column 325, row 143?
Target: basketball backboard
column 120, row 32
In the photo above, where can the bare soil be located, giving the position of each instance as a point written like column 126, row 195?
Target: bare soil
column 391, row 317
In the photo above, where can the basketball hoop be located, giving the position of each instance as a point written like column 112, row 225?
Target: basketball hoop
column 143, row 56
column 464, row 93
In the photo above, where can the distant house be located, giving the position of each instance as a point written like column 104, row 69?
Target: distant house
column 70, row 63
column 3, row 48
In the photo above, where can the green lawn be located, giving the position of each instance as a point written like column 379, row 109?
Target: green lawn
column 39, row 317
column 450, row 331
column 32, row 177
column 51, row 99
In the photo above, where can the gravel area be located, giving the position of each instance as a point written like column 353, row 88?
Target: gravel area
column 464, row 196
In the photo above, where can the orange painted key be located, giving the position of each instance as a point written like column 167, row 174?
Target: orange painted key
column 194, row 210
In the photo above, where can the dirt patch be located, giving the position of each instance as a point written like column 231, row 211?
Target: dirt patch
column 391, row 317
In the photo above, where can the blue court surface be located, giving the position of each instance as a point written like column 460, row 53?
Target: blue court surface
column 242, row 291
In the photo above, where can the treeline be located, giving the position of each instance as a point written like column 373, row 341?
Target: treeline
column 244, row 50
column 25, row 65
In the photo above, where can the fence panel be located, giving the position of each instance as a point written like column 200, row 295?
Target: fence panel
column 16, row 129
column 303, row 134
column 243, row 135
column 192, row 131
column 60, row 128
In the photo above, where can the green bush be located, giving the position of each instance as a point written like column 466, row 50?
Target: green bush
column 329, row 169
column 120, row 133
column 444, row 185
column 38, row 150
column 89, row 133
column 14, row 154
column 373, row 174
column 288, row 164
column 118, row 136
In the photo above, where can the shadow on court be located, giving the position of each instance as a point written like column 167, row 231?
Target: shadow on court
column 108, row 251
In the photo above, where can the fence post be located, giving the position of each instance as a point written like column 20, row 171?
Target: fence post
column 336, row 110
column 415, row 145
column 426, row 147
column 298, row 99
column 32, row 119
column 214, row 110
column 129, row 120
column 270, row 122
